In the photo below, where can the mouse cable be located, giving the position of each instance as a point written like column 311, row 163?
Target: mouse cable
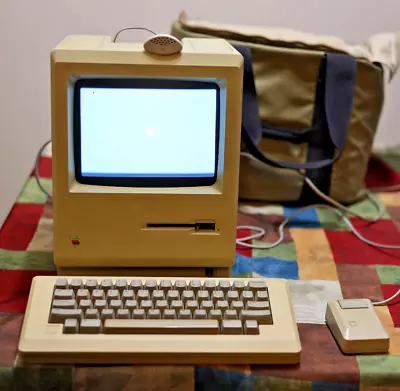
column 260, row 232
column 132, row 28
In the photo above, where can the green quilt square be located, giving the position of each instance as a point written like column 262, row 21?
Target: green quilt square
column 379, row 370
column 26, row 260
column 366, row 208
column 388, row 274
column 285, row 251
column 31, row 192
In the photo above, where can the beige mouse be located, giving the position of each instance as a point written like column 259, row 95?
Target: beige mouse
column 356, row 327
column 163, row 45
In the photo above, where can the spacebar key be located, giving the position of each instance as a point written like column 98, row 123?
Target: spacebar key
column 161, row 326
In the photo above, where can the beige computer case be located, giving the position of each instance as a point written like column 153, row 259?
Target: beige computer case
column 102, row 230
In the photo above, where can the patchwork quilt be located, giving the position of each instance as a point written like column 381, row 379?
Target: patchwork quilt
column 320, row 257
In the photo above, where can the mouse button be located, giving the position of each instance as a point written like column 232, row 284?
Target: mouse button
column 352, row 304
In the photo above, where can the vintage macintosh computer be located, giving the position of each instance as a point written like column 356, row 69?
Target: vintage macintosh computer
column 146, row 149
column 145, row 156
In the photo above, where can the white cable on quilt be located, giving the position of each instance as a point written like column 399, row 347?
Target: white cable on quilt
column 259, row 232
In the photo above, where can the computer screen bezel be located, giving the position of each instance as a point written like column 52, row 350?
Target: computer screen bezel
column 141, row 181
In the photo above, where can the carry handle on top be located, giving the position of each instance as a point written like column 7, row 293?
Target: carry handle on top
column 340, row 81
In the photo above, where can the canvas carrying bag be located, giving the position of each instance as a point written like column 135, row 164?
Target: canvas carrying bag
column 311, row 105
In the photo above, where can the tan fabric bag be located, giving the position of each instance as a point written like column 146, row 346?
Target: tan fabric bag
column 311, row 106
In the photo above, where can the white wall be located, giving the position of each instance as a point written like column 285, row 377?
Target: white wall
column 30, row 29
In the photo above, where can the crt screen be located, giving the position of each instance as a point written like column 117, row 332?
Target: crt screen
column 150, row 132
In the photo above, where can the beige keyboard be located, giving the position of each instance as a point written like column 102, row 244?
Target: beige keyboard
column 151, row 320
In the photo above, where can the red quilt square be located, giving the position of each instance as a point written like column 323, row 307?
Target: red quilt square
column 14, row 288
column 243, row 250
column 20, row 226
column 394, row 306
column 348, row 249
column 45, row 168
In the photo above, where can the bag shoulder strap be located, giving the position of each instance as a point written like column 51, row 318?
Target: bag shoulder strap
column 340, row 81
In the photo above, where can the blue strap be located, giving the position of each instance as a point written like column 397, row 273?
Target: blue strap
column 340, row 81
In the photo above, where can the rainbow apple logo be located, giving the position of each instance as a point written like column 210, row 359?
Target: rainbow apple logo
column 75, row 241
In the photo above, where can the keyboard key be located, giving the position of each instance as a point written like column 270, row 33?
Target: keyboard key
column 173, row 295
column 257, row 305
column 64, row 294
column 185, row 314
column 262, row 317
column 76, row 284
column 161, row 305
column 191, row 305
column 82, row 294
column 71, row 326
column 195, row 285
column 207, row 305
column 237, row 305
column 255, row 286
column 203, row 296
column 262, row 296
column 238, row 286
column 222, row 305
column 142, row 295
column 209, row 286
column 106, row 285
column 251, row 327
column 138, row 314
column 100, row 304
column 121, row 285
column 151, row 285
column 90, row 326
column 161, row 326
column 107, row 314
column 230, row 314
column 146, row 305
column 216, row 315
column 169, row 314
column 131, row 305
column 127, row 295
column 232, row 327
column 67, row 304
column 154, row 314
column 187, row 295
column 176, row 305
column 200, row 314
column 136, row 286
column 158, row 295
column 98, row 294
column 91, row 285
column 92, row 313
column 232, row 296
column 61, row 283
column 217, row 296
column 180, row 285
column 85, row 304
column 247, row 296
column 58, row 315
column 224, row 286
column 115, row 304
column 165, row 286
column 123, row 313
column 112, row 294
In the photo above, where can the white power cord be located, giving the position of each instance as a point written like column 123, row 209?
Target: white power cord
column 37, row 174
column 259, row 232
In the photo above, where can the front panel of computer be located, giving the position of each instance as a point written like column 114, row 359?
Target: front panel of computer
column 145, row 163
